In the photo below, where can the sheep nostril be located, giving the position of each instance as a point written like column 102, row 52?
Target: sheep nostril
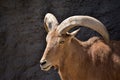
column 43, row 63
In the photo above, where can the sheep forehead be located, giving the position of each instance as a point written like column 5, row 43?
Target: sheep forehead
column 52, row 36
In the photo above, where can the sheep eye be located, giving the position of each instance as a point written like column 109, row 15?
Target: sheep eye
column 61, row 42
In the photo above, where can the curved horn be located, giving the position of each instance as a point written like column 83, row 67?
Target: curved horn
column 50, row 22
column 85, row 21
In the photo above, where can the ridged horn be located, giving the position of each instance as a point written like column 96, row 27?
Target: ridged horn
column 85, row 21
column 50, row 22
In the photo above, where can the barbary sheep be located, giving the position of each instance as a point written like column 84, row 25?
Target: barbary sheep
column 94, row 59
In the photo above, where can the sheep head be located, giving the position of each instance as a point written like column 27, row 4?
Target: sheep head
column 58, row 37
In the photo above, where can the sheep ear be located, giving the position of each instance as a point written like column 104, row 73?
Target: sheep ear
column 74, row 32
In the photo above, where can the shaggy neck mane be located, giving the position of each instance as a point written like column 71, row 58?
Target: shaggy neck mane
column 69, row 66
column 78, row 62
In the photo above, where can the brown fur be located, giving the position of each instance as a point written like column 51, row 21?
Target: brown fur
column 96, row 63
column 95, row 59
column 89, row 60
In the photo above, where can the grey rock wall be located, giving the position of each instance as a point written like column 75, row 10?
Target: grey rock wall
column 22, row 35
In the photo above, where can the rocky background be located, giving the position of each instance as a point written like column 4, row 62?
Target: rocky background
column 22, row 35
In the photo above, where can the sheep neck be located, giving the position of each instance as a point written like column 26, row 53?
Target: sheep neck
column 69, row 65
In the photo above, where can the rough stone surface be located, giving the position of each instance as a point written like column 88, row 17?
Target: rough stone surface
column 22, row 35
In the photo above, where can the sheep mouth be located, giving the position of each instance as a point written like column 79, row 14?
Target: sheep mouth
column 46, row 68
